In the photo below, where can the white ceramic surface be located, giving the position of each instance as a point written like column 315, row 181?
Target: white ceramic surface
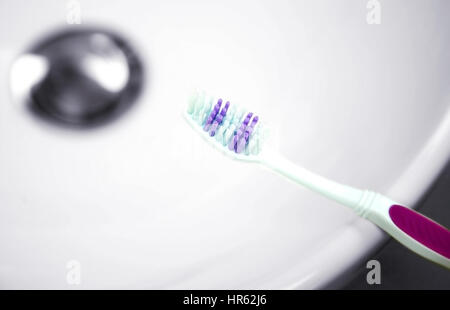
column 144, row 203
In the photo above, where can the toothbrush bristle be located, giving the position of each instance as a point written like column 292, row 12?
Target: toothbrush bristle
column 232, row 128
column 238, row 135
column 213, row 115
column 219, row 118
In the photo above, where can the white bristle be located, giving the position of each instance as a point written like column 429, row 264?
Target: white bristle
column 204, row 112
column 198, row 106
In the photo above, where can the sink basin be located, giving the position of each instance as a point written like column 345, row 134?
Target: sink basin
column 143, row 202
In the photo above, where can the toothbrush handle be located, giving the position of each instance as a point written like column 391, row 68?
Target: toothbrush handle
column 412, row 229
column 415, row 231
column 341, row 193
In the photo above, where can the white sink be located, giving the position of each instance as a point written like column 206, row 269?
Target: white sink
column 143, row 202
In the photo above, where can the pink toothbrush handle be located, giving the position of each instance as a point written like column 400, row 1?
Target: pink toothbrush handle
column 422, row 229
column 415, row 231
column 412, row 229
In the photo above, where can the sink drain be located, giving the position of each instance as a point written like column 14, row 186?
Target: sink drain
column 88, row 77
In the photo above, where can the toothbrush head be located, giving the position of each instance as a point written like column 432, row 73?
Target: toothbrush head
column 234, row 131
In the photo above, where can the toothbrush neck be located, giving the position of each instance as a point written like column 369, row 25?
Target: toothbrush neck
column 343, row 194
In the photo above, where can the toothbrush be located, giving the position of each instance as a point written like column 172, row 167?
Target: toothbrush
column 240, row 135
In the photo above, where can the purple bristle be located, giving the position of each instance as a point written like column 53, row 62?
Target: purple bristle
column 218, row 121
column 240, row 146
column 212, row 115
column 244, row 140
column 249, row 129
column 234, row 142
